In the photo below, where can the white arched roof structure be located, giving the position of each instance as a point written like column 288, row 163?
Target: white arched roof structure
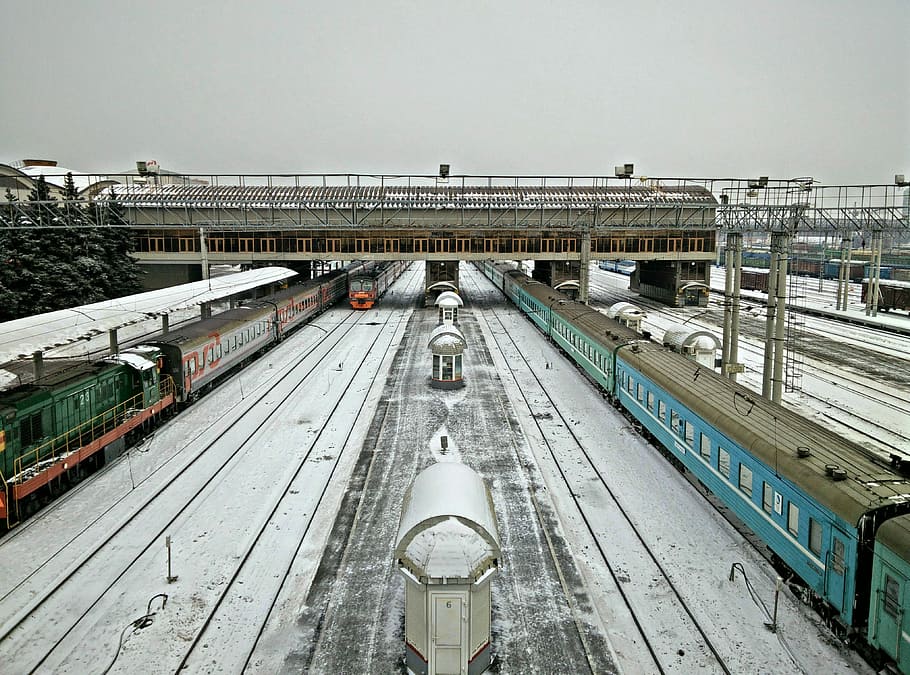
column 449, row 299
column 684, row 339
column 625, row 311
column 446, row 339
column 448, row 527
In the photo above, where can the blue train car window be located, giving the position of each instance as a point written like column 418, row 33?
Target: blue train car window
column 745, row 479
column 690, row 433
column 630, row 384
column 793, row 519
column 815, row 537
column 641, row 393
column 662, row 411
column 767, row 500
column 674, row 421
column 651, row 401
column 723, row 462
column 705, row 448
column 837, row 556
column 892, row 596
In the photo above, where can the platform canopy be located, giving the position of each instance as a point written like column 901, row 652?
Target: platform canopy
column 446, row 339
column 449, row 299
column 23, row 337
column 448, row 527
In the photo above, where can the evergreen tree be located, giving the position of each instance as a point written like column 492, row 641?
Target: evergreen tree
column 122, row 275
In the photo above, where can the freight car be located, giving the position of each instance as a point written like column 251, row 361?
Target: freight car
column 56, row 429
column 891, row 294
column 366, row 287
column 819, row 502
column 751, row 280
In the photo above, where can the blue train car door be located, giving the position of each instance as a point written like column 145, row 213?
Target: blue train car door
column 836, row 572
column 888, row 612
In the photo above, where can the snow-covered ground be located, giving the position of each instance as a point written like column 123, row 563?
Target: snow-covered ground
column 340, row 606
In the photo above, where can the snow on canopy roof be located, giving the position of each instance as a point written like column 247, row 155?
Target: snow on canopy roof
column 448, row 526
column 681, row 337
column 56, row 175
column 446, row 339
column 449, row 299
column 23, row 337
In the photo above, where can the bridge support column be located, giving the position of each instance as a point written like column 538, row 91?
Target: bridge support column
column 772, row 374
column 584, row 271
column 733, row 257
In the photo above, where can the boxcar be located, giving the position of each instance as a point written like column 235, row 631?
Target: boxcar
column 891, row 294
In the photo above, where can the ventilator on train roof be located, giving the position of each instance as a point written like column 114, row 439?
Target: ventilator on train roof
column 448, row 550
column 447, row 344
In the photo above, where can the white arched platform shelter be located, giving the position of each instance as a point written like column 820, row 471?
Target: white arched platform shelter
column 448, row 303
column 448, row 550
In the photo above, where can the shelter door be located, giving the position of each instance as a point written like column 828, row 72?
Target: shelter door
column 889, row 614
column 836, row 572
column 448, row 634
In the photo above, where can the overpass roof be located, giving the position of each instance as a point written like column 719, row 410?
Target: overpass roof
column 426, row 197
column 23, row 337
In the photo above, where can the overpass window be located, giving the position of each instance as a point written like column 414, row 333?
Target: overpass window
column 333, row 245
column 548, row 246
column 421, row 246
column 793, row 519
column 304, row 246
column 696, row 244
column 362, row 245
column 617, row 245
column 186, row 244
column 216, row 244
column 267, row 245
column 245, row 244
column 463, row 245
column 156, row 244
column 442, row 245
column 569, row 245
column 491, row 245
column 392, row 245
column 674, row 244
column 519, row 245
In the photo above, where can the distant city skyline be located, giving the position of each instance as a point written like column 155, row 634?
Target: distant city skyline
column 702, row 89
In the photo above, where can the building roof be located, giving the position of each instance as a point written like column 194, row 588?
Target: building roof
column 448, row 526
column 23, row 337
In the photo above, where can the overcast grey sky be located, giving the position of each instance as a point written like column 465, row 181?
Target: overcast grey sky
column 704, row 88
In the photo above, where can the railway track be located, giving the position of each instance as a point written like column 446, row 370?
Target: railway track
column 881, row 438
column 51, row 612
column 679, row 642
